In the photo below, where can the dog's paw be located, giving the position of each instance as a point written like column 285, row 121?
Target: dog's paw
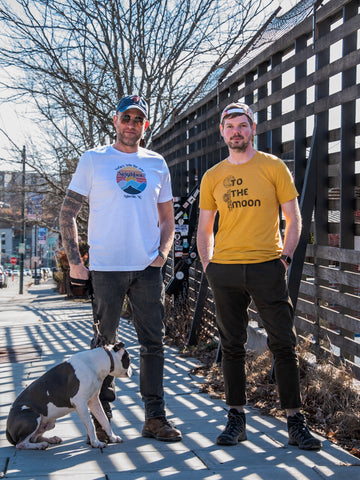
column 97, row 444
column 115, row 439
column 41, row 446
column 32, row 446
column 54, row 440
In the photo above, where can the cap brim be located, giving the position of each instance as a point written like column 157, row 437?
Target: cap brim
column 238, row 110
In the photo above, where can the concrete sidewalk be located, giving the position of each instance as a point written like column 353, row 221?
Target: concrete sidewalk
column 41, row 328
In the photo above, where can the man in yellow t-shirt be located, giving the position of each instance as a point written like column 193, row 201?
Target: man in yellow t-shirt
column 247, row 259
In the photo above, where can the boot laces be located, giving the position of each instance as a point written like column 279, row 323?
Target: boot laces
column 303, row 431
column 164, row 421
column 300, row 429
column 234, row 424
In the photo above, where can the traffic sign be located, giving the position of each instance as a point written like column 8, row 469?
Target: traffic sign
column 13, row 260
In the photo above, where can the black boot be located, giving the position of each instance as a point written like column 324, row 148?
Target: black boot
column 235, row 430
column 299, row 433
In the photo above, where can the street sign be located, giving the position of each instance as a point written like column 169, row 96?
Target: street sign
column 13, row 260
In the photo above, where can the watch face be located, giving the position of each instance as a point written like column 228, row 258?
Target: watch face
column 286, row 259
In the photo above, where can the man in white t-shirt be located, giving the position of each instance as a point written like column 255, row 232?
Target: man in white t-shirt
column 130, row 233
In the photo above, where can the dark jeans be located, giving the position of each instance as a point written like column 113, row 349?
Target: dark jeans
column 145, row 290
column 232, row 286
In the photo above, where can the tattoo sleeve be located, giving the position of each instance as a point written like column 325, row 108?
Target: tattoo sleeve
column 69, row 233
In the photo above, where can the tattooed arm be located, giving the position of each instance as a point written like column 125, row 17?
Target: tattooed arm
column 69, row 233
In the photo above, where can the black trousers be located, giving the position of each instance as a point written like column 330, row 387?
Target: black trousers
column 233, row 285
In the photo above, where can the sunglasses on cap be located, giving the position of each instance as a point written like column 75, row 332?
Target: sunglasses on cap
column 125, row 118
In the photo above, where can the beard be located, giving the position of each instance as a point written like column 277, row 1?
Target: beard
column 129, row 140
column 237, row 146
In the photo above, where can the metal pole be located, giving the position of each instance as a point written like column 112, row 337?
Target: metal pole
column 36, row 252
column 22, row 236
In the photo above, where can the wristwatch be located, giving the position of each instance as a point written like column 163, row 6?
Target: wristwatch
column 161, row 255
column 286, row 259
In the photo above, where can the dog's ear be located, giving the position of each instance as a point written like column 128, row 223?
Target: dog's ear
column 118, row 346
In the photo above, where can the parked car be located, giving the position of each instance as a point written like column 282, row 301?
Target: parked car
column 27, row 272
column 3, row 277
column 38, row 273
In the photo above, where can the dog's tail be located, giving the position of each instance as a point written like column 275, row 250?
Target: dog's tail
column 9, row 438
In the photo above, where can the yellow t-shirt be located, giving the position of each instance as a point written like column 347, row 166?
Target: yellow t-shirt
column 247, row 197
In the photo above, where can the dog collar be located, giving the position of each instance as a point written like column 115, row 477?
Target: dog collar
column 111, row 358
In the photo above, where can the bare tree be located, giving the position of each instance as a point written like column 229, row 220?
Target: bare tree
column 77, row 58
column 73, row 60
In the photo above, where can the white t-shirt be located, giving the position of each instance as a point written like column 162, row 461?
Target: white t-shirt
column 123, row 190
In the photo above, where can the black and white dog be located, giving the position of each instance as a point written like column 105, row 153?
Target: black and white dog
column 72, row 385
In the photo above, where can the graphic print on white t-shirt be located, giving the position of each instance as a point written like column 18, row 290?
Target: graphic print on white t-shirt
column 131, row 179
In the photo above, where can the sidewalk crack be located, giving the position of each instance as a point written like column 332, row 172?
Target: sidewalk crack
column 201, row 460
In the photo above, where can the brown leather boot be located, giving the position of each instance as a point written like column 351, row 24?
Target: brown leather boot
column 160, row 429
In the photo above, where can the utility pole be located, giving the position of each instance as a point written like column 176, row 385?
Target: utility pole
column 22, row 236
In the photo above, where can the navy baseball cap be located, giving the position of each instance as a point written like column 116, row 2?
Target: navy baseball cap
column 133, row 101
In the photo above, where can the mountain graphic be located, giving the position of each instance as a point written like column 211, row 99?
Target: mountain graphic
column 132, row 187
column 131, row 190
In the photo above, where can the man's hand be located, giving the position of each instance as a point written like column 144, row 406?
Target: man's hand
column 79, row 272
column 286, row 265
column 158, row 262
